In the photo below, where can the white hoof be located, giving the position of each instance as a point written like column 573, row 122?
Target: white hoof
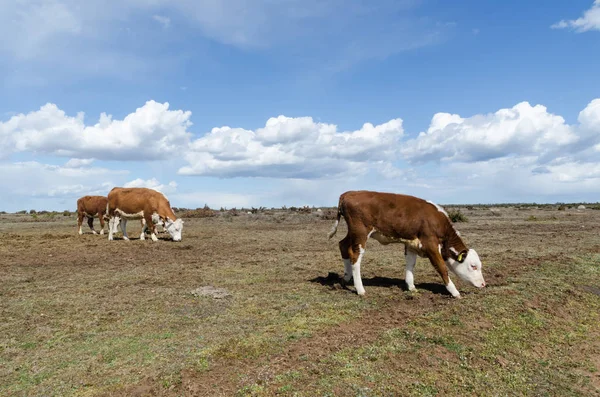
column 102, row 231
column 142, row 236
column 412, row 288
column 94, row 232
column 154, row 238
column 125, row 238
column 361, row 292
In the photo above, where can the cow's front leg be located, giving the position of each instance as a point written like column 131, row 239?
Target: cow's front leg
column 438, row 262
column 150, row 225
column 143, row 234
column 411, row 260
column 124, row 228
column 111, row 228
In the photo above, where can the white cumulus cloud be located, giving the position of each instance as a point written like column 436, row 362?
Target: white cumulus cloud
column 589, row 21
column 152, row 132
column 153, row 183
column 293, row 147
column 519, row 131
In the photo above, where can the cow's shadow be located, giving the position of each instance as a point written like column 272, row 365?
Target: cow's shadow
column 335, row 281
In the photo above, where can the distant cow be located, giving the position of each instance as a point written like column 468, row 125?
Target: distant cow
column 141, row 203
column 91, row 207
column 423, row 227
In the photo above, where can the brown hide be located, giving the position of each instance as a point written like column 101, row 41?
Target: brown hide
column 400, row 218
column 136, row 199
column 93, row 206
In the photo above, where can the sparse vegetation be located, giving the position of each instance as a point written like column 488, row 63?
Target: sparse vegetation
column 96, row 327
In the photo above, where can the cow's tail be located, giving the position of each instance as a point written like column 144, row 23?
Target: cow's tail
column 337, row 221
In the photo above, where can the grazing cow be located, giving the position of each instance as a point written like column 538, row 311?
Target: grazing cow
column 141, row 203
column 422, row 226
column 91, row 207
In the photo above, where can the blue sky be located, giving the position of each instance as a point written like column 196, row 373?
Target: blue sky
column 263, row 102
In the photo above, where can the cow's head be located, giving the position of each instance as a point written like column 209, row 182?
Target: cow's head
column 174, row 228
column 468, row 267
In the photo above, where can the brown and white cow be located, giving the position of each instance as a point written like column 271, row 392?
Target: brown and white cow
column 91, row 207
column 422, row 226
column 141, row 203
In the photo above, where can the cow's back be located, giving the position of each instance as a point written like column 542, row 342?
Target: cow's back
column 134, row 200
column 392, row 214
column 92, row 204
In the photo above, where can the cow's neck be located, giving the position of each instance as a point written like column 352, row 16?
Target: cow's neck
column 453, row 245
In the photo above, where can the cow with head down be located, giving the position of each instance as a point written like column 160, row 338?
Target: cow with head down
column 422, row 226
column 142, row 203
column 91, row 207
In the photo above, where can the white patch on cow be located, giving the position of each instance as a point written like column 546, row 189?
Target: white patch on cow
column 411, row 261
column 124, row 215
column 102, row 231
column 80, row 231
column 452, row 289
column 443, row 211
column 455, row 252
column 440, row 248
column 347, row 269
column 358, row 285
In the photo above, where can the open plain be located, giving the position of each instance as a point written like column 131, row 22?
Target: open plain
column 83, row 316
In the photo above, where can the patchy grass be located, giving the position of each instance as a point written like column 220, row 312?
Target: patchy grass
column 84, row 316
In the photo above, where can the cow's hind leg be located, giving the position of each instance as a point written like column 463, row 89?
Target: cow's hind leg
column 345, row 248
column 411, row 260
column 354, row 247
column 101, row 218
column 90, row 221
column 80, row 222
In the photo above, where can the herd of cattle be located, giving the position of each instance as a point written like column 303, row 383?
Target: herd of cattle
column 422, row 226
column 148, row 205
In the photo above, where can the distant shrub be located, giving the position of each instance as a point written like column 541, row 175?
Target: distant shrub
column 562, row 208
column 457, row 216
column 66, row 213
column 531, row 218
column 305, row 210
column 21, row 212
column 32, row 212
column 204, row 212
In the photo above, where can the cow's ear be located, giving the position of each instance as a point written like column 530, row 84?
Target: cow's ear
column 462, row 256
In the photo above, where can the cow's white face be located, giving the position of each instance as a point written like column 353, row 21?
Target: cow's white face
column 174, row 228
column 469, row 270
